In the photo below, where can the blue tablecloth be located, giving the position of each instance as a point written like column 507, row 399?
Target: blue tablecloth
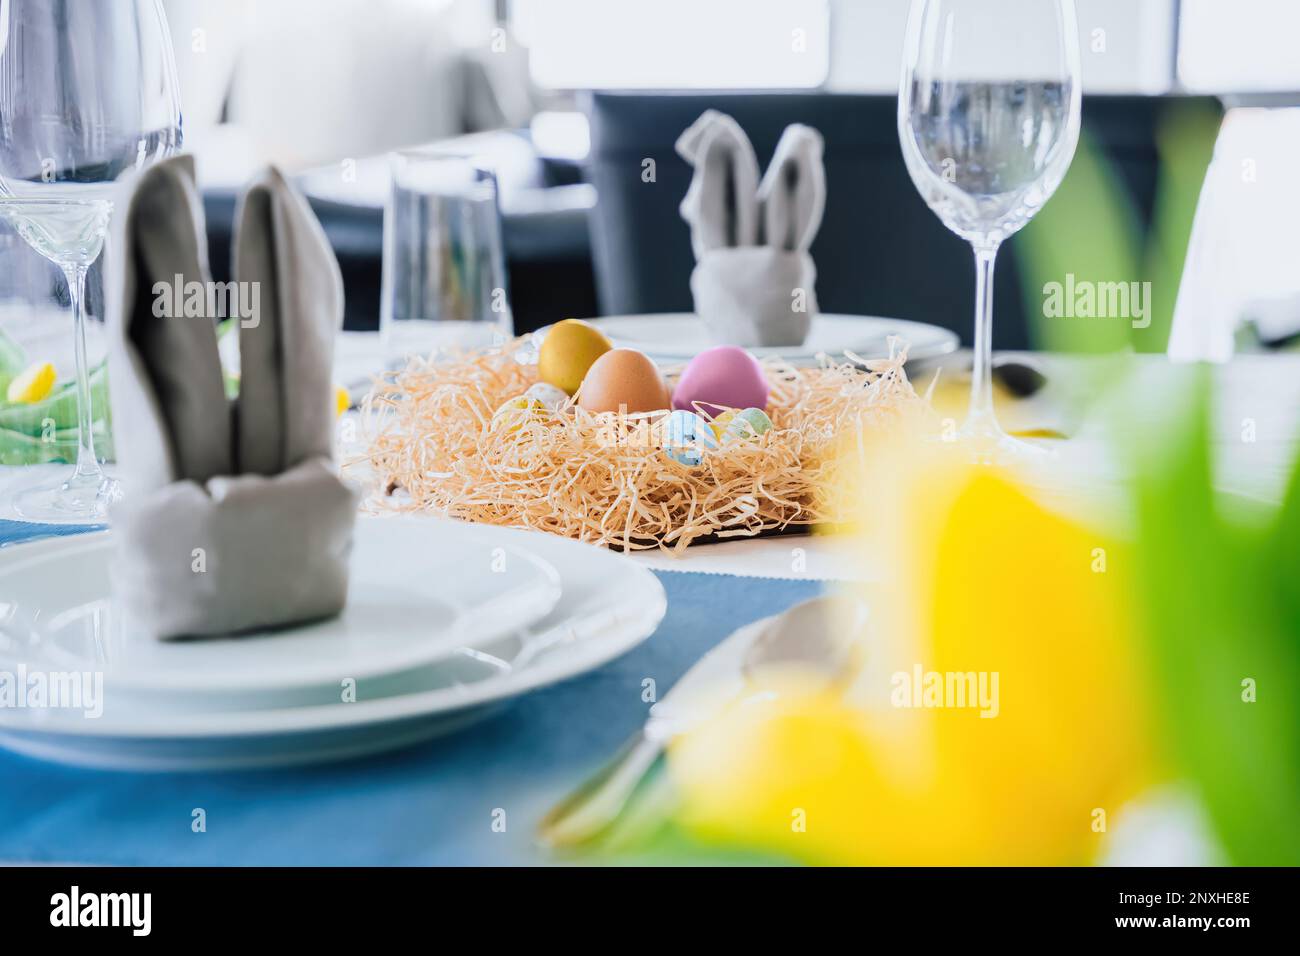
column 429, row 804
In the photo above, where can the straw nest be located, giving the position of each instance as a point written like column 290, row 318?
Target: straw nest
column 432, row 444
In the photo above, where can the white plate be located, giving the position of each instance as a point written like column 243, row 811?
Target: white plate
column 181, row 754
column 414, row 595
column 609, row 604
column 674, row 337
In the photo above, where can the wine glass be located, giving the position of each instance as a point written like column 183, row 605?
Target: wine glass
column 87, row 92
column 988, row 117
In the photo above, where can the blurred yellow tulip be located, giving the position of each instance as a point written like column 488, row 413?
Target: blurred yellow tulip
column 1000, row 718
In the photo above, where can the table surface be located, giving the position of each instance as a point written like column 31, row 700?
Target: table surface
column 434, row 803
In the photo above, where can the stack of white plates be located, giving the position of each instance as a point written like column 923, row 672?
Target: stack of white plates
column 445, row 621
column 673, row 338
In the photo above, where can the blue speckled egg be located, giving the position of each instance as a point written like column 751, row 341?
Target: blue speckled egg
column 686, row 437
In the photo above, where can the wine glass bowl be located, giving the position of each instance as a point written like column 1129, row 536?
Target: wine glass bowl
column 988, row 117
column 987, row 198
column 66, row 233
column 88, row 93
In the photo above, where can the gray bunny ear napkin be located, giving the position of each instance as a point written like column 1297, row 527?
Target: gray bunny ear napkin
column 753, row 280
column 233, row 517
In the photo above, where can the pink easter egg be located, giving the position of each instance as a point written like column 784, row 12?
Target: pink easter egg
column 725, row 376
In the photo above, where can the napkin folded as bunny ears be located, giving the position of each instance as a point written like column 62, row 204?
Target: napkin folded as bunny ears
column 754, row 280
column 233, row 517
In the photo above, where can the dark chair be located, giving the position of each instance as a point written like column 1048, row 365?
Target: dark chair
column 880, row 250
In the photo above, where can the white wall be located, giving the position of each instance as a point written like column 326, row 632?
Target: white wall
column 704, row 44
column 1240, row 45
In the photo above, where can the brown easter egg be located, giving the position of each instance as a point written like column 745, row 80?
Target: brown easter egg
column 626, row 379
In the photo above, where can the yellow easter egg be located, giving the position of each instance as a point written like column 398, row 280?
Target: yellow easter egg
column 32, row 384
column 721, row 422
column 342, row 400
column 518, row 410
column 570, row 348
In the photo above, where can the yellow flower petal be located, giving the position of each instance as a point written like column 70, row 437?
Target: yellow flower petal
column 981, row 580
column 33, row 384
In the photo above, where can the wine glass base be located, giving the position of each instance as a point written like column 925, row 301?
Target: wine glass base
column 996, row 447
column 984, row 442
column 79, row 499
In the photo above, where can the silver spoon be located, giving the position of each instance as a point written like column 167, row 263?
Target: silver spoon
column 822, row 636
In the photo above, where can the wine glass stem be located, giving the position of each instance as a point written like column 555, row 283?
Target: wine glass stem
column 981, row 418
column 87, row 463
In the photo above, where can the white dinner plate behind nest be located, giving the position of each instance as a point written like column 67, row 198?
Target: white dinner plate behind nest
column 672, row 338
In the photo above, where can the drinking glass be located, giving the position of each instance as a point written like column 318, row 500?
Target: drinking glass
column 87, row 92
column 444, row 278
column 988, row 117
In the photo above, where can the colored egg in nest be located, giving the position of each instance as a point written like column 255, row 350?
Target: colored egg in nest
column 518, row 410
column 744, row 425
column 549, row 395
column 623, row 380
column 720, row 422
column 720, row 378
column 568, row 352
column 686, row 437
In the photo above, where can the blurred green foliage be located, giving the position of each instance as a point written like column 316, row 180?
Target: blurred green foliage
column 1092, row 230
column 1089, row 230
column 1219, row 584
column 1185, row 139
column 1218, row 578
